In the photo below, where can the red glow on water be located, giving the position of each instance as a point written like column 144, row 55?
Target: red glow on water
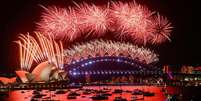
column 159, row 96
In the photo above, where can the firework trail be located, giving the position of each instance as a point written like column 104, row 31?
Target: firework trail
column 39, row 51
column 25, row 56
column 101, row 47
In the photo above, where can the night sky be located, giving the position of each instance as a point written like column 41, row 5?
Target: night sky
column 20, row 16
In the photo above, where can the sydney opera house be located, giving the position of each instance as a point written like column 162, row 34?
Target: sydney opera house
column 44, row 72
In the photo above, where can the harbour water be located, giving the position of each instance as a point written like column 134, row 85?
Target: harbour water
column 27, row 95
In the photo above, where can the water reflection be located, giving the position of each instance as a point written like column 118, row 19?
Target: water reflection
column 62, row 95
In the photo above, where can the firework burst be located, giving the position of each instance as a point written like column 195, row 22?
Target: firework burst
column 93, row 19
column 101, row 47
column 161, row 29
column 126, row 20
column 133, row 20
column 60, row 23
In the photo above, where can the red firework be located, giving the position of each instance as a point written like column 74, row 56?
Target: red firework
column 162, row 29
column 133, row 20
column 93, row 19
column 126, row 19
column 59, row 23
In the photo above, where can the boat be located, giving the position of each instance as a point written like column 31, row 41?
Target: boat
column 99, row 97
column 22, row 92
column 86, row 92
column 107, row 89
column 118, row 91
column 107, row 94
column 60, row 92
column 53, row 95
column 36, row 92
column 72, row 93
column 32, row 99
column 47, row 98
column 39, row 89
column 52, row 89
column 37, row 96
column 149, row 94
column 137, row 92
column 128, row 91
column 101, row 91
column 83, row 96
column 71, row 97
column 133, row 98
column 119, row 99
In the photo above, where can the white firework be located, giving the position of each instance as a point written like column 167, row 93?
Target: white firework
column 39, row 49
column 101, row 47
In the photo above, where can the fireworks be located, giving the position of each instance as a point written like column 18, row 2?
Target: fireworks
column 60, row 23
column 111, row 48
column 133, row 20
column 124, row 19
column 39, row 50
column 26, row 59
column 129, row 20
column 93, row 19
column 162, row 29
